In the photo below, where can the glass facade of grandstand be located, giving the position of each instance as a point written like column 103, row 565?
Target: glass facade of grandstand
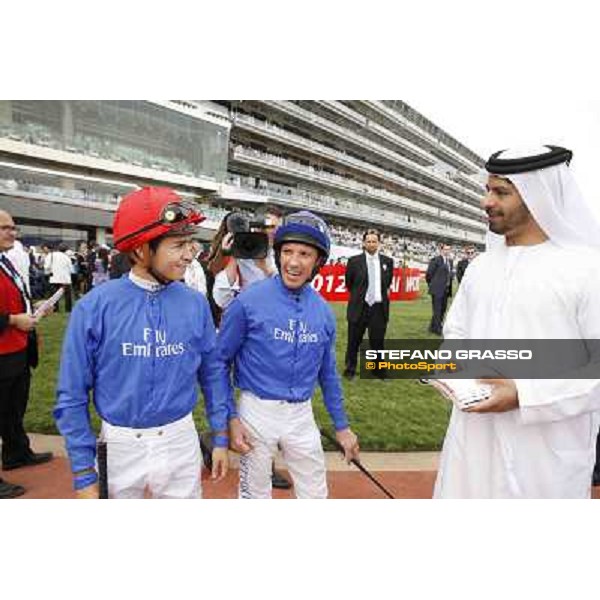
column 139, row 133
column 64, row 165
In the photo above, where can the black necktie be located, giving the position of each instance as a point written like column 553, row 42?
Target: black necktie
column 8, row 264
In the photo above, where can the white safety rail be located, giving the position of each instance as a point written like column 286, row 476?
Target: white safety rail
column 415, row 209
column 346, row 134
column 435, row 145
column 280, row 164
column 274, row 132
column 415, row 153
column 345, row 209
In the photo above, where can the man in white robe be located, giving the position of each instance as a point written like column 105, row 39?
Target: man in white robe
column 531, row 438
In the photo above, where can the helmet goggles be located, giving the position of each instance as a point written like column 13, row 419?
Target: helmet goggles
column 175, row 218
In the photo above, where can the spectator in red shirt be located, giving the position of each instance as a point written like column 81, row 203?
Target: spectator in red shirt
column 18, row 352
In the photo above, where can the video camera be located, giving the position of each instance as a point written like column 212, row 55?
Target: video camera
column 249, row 238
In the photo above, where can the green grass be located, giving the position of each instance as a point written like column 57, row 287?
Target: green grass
column 392, row 416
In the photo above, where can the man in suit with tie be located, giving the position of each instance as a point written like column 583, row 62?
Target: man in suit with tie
column 439, row 282
column 462, row 265
column 368, row 279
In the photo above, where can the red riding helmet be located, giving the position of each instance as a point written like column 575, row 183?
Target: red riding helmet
column 149, row 213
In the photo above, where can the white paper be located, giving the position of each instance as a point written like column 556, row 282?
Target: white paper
column 47, row 304
column 463, row 392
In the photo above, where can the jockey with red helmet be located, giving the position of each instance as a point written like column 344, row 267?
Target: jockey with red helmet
column 145, row 218
column 139, row 345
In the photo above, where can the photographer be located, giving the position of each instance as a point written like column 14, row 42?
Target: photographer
column 249, row 244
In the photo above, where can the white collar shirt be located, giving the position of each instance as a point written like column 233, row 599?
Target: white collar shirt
column 374, row 272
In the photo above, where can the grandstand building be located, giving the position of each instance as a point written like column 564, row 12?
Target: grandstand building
column 65, row 164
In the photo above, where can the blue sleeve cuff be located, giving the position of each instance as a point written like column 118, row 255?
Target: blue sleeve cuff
column 84, row 481
column 221, row 441
column 341, row 424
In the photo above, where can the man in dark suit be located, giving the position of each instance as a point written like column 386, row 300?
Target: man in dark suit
column 368, row 279
column 439, row 283
column 462, row 265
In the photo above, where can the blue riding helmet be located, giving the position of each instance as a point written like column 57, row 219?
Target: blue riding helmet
column 303, row 227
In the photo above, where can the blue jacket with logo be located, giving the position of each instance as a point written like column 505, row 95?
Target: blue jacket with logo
column 281, row 343
column 142, row 355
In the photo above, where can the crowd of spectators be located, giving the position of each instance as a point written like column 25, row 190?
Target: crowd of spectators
column 93, row 264
column 401, row 248
column 436, row 221
column 86, row 266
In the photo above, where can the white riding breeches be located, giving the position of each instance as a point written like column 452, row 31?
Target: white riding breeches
column 165, row 460
column 291, row 427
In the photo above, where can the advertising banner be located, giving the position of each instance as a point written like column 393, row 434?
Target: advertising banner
column 330, row 283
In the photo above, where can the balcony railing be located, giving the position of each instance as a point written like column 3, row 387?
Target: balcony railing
column 275, row 132
column 434, row 143
column 279, row 163
column 348, row 209
column 346, row 134
column 360, row 120
column 53, row 192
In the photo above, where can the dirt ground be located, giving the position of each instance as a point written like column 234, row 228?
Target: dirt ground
column 52, row 480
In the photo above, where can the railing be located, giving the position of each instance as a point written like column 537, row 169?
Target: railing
column 12, row 185
column 332, row 201
column 432, row 140
column 350, row 210
column 362, row 121
column 346, row 134
column 276, row 132
column 241, row 152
